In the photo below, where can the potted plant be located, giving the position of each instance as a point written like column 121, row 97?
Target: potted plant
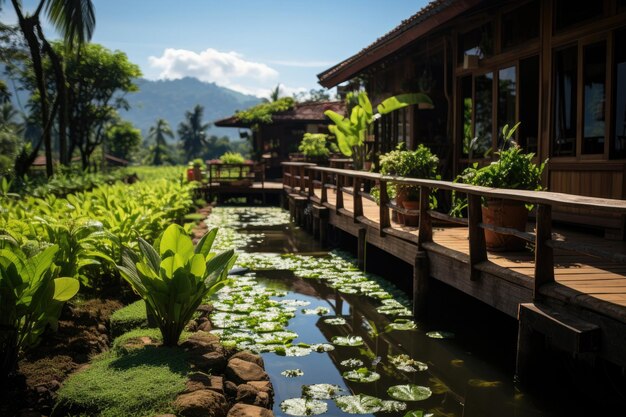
column 420, row 163
column 352, row 132
column 195, row 170
column 316, row 147
column 514, row 169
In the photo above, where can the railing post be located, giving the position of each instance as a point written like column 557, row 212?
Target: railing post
column 477, row 245
column 425, row 232
column 311, row 184
column 324, row 195
column 339, row 202
column 302, row 178
column 544, row 255
column 384, row 210
column 357, row 199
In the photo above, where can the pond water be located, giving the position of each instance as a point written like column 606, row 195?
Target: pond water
column 337, row 341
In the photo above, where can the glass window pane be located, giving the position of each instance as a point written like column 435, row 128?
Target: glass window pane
column 594, row 78
column 570, row 12
column 528, row 131
column 520, row 25
column 565, row 66
column 619, row 144
column 506, row 97
column 483, row 120
column 467, row 108
column 478, row 41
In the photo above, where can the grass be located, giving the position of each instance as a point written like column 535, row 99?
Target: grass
column 135, row 382
column 127, row 318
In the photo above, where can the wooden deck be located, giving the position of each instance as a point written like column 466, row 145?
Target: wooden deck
column 568, row 286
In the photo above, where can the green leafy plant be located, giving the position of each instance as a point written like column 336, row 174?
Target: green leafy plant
column 31, row 298
column 174, row 278
column 351, row 132
column 315, row 146
column 232, row 158
column 262, row 113
column 514, row 169
column 420, row 163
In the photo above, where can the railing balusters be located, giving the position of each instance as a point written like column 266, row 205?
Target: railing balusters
column 544, row 254
column 385, row 221
column 477, row 245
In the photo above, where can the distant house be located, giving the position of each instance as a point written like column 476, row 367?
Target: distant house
column 273, row 142
column 558, row 66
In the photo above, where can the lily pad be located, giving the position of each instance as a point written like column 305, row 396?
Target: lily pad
column 295, row 303
column 391, row 406
column 321, row 391
column 436, row 334
column 292, row 373
column 409, row 392
column 335, row 321
column 347, row 340
column 418, row 413
column 352, row 363
column 406, row 364
column 359, row 404
column 294, row 351
column 303, row 407
column 320, row 311
column 401, row 324
column 322, row 347
column 361, row 375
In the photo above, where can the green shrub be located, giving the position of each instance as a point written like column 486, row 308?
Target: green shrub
column 131, row 317
column 314, row 146
column 232, row 158
column 174, row 278
column 420, row 163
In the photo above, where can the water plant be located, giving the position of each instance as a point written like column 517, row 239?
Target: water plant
column 409, row 392
column 174, row 278
column 347, row 340
column 321, row 391
column 361, row 375
column 404, row 363
column 359, row 404
column 439, row 334
column 303, row 407
column 292, row 373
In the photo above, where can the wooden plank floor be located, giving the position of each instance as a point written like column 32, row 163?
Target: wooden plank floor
column 586, row 276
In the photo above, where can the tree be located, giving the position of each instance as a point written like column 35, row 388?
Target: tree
column 192, row 133
column 158, row 134
column 75, row 21
column 10, row 136
column 274, row 95
column 217, row 146
column 123, row 139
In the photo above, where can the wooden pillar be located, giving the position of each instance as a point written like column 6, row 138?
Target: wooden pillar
column 362, row 242
column 385, row 221
column 421, row 273
column 310, row 183
column 324, row 192
column 357, row 199
column 425, row 222
column 544, row 255
column 478, row 247
column 530, row 345
column 323, row 230
column 339, row 203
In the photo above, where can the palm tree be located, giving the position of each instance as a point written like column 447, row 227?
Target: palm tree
column 158, row 134
column 75, row 20
column 192, row 133
column 274, row 95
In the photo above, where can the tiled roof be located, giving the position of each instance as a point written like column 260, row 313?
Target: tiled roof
column 312, row 112
column 431, row 9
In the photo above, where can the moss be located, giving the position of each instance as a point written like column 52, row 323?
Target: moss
column 140, row 382
column 131, row 317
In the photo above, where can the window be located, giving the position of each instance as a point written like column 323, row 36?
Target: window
column 528, row 131
column 507, row 93
column 594, row 84
column 571, row 12
column 483, row 117
column 618, row 148
column 478, row 41
column 520, row 25
column 565, row 79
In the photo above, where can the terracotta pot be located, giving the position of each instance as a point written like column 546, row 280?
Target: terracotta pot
column 400, row 197
column 411, row 220
column 505, row 213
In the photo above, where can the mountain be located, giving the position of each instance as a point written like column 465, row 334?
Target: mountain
column 170, row 99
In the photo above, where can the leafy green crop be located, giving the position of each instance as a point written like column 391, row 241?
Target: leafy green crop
column 174, row 278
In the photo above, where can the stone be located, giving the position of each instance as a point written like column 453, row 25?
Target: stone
column 246, row 394
column 230, row 388
column 198, row 381
column 208, row 362
column 205, row 309
column 240, row 371
column 206, row 326
column 245, row 410
column 264, row 386
column 102, row 328
column 54, row 385
column 201, row 403
column 249, row 357
column 262, row 399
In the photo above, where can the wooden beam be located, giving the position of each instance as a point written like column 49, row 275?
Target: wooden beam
column 385, row 221
column 425, row 221
column 544, row 255
column 478, row 247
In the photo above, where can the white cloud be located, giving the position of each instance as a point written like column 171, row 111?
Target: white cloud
column 304, row 64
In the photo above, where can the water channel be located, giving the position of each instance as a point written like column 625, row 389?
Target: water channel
column 316, row 319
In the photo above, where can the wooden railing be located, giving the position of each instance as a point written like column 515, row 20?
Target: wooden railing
column 305, row 179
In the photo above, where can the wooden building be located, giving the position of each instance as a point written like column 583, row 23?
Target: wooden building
column 273, row 142
column 558, row 66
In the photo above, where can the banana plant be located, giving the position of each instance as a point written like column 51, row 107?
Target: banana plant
column 31, row 299
column 173, row 277
column 351, row 132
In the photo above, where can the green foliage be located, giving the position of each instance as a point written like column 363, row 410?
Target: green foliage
column 314, row 146
column 123, row 139
column 352, row 132
column 232, row 158
column 32, row 296
column 130, row 317
column 420, row 163
column 193, row 133
column 157, row 135
column 120, row 383
column 175, row 277
column 262, row 113
column 514, row 169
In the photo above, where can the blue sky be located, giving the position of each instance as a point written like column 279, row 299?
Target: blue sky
column 247, row 45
